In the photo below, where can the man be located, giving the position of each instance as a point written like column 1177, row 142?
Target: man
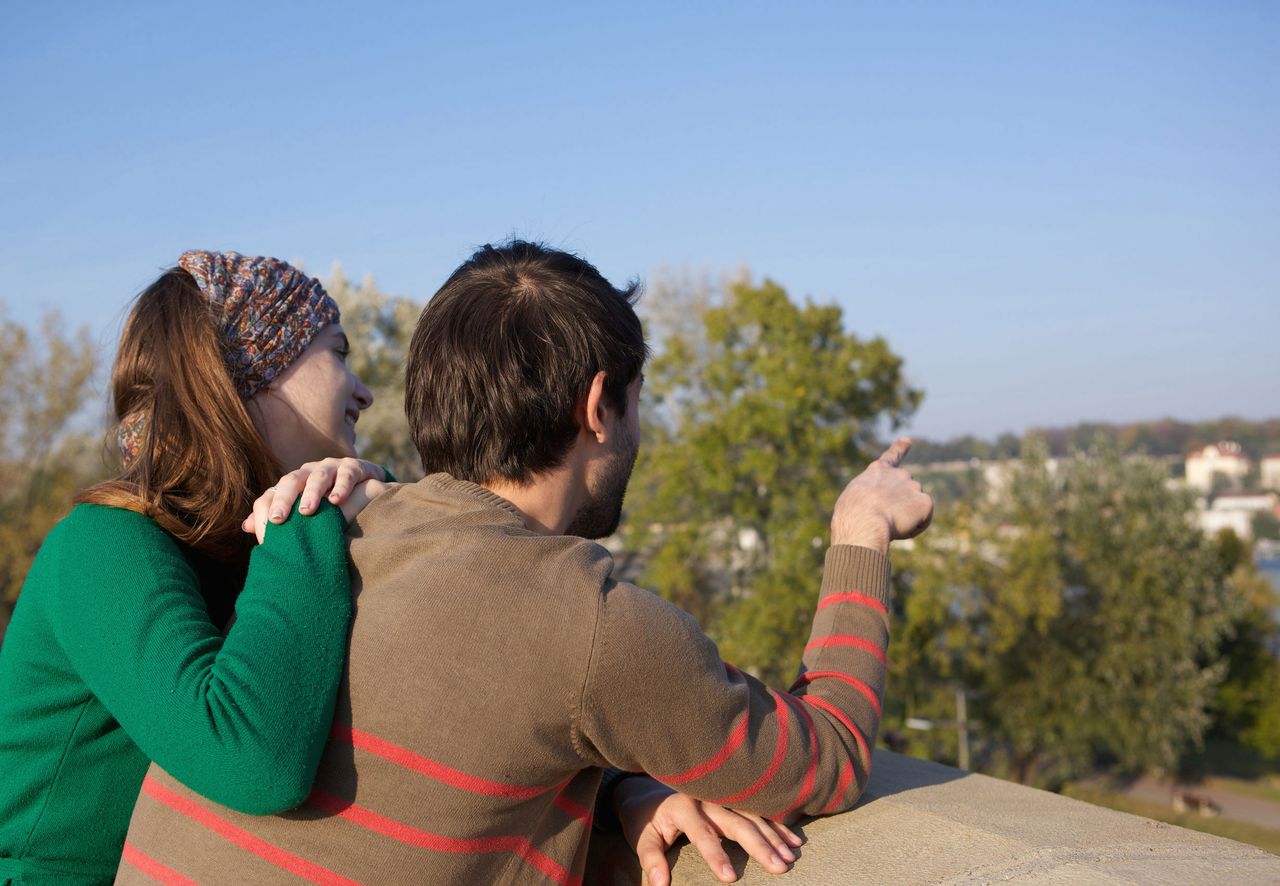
column 496, row 666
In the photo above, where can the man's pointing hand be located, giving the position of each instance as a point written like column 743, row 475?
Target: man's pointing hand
column 881, row 504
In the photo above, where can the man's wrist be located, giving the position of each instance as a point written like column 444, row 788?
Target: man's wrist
column 867, row 533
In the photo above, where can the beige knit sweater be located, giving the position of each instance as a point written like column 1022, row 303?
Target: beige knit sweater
column 493, row 672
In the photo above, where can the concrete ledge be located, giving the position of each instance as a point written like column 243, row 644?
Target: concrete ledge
column 922, row 823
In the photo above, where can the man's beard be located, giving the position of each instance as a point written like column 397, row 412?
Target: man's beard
column 599, row 516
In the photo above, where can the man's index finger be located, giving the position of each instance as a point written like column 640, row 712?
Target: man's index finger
column 894, row 455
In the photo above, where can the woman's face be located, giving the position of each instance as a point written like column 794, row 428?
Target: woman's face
column 310, row 410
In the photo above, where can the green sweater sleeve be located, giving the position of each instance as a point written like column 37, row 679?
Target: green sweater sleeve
column 240, row 718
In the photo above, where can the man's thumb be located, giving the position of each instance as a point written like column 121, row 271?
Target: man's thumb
column 652, row 853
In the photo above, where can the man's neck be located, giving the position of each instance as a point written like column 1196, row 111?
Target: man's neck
column 547, row 504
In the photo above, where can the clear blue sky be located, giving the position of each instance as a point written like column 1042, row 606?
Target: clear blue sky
column 1054, row 212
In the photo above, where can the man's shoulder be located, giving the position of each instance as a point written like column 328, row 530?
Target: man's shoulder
column 441, row 531
column 437, row 504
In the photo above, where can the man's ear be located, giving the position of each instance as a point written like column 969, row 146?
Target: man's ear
column 595, row 409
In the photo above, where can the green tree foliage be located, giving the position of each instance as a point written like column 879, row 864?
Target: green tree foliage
column 1083, row 610
column 761, row 410
column 1266, row 525
column 45, row 385
column 1247, row 705
column 379, row 327
column 1166, row 437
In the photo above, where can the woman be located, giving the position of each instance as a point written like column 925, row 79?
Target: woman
column 231, row 370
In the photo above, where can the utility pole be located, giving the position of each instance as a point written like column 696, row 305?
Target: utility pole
column 960, row 724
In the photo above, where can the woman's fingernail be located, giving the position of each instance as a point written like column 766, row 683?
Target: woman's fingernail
column 787, row 854
column 728, row 872
column 777, row 860
column 277, row 516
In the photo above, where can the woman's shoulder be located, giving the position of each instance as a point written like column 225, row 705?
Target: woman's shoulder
column 96, row 526
column 96, row 546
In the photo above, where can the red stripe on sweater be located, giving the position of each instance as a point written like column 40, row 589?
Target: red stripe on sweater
column 847, row 640
column 810, row 774
column 814, row 701
column 853, row 597
column 734, row 741
column 393, row 753
column 573, row 808
column 779, row 754
column 154, row 869
column 284, row 860
column 846, row 779
column 411, row 836
column 837, row 675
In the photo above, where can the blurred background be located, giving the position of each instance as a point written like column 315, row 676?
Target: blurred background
column 1040, row 239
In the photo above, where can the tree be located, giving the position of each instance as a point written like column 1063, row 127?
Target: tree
column 380, row 327
column 1266, row 524
column 1084, row 610
column 1246, row 708
column 761, row 410
column 45, row 456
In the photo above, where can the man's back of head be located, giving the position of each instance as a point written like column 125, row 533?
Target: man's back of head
column 504, row 354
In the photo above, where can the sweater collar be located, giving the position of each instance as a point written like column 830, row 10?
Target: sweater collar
column 450, row 483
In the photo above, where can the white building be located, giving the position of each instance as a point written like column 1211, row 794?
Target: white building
column 1235, row 511
column 1224, row 458
column 1271, row 472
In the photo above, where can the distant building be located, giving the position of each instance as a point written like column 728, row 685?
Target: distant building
column 1235, row 511
column 1226, row 459
column 1271, row 472
column 997, row 476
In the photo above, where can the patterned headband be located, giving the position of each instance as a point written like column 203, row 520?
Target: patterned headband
column 267, row 313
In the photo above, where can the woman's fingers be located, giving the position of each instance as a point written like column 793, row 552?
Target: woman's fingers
column 333, row 478
column 320, row 477
column 261, row 514
column 360, row 497
column 287, row 491
column 348, row 474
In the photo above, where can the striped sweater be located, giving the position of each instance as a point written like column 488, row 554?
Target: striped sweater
column 493, row 672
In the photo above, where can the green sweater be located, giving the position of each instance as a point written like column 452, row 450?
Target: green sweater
column 112, row 659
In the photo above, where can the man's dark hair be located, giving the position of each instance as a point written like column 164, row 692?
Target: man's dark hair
column 504, row 354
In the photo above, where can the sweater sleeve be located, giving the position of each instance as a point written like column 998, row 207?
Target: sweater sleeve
column 658, row 699
column 240, row 718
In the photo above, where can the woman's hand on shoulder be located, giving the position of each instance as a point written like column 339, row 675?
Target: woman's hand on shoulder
column 361, row 496
column 350, row 483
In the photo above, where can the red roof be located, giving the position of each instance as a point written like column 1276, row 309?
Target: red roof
column 1225, row 449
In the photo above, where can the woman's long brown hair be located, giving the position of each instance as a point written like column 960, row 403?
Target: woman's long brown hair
column 202, row 462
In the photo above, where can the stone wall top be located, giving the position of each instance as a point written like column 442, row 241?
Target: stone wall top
column 923, row 823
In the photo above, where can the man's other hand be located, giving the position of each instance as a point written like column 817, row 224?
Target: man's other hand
column 881, row 504
column 653, row 817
